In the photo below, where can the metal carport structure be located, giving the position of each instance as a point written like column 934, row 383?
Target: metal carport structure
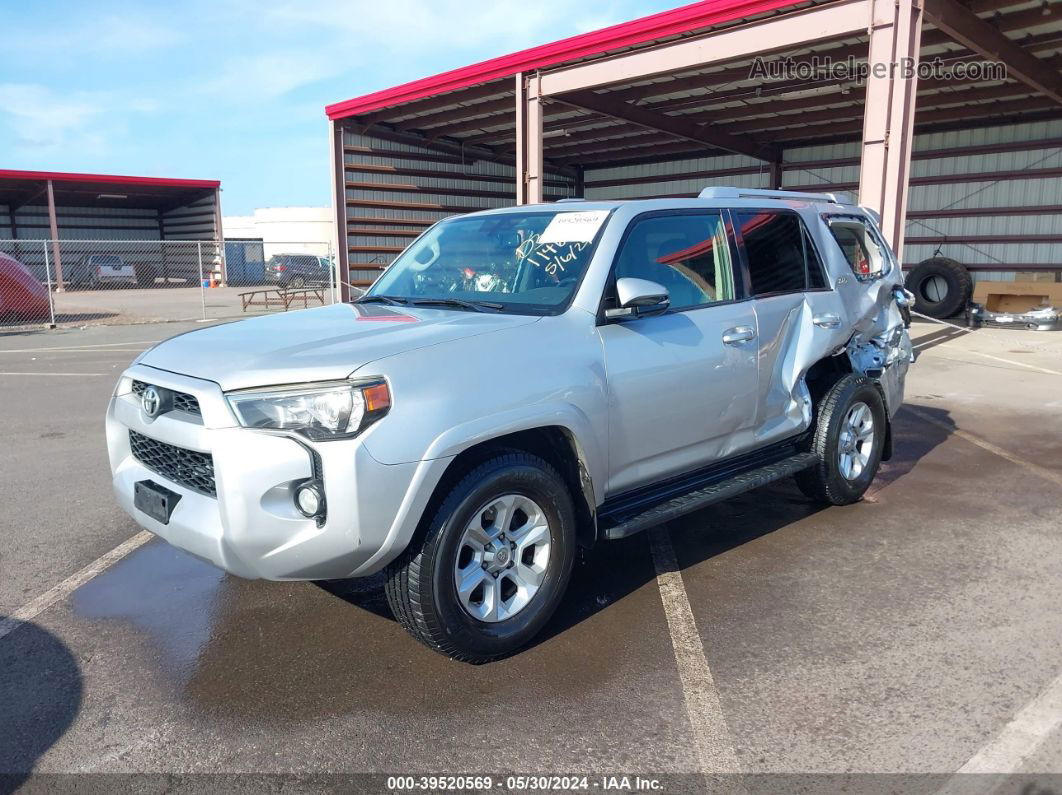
column 663, row 105
column 61, row 206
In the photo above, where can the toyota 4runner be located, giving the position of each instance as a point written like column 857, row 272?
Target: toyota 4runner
column 520, row 383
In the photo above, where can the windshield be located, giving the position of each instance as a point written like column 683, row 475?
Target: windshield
column 518, row 262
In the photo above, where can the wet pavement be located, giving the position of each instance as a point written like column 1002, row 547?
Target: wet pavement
column 897, row 636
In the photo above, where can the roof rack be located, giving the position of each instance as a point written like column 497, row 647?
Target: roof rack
column 752, row 193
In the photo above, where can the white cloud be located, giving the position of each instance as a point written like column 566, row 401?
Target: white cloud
column 424, row 27
column 40, row 118
column 103, row 37
column 265, row 76
column 44, row 120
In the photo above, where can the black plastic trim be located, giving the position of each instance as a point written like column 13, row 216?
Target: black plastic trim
column 622, row 507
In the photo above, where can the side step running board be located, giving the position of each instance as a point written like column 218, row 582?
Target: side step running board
column 703, row 497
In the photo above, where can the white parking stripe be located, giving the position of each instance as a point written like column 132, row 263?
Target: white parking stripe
column 50, row 374
column 1047, row 474
column 1019, row 740
column 985, row 355
column 715, row 747
column 32, row 609
column 87, row 348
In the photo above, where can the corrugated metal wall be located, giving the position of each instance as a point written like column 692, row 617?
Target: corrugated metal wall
column 82, row 223
column 984, row 197
column 394, row 190
column 195, row 221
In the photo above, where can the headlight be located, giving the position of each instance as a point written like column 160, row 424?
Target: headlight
column 335, row 410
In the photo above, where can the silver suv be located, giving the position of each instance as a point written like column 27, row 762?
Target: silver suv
column 520, row 383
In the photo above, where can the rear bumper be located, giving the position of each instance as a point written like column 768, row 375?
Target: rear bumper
column 252, row 528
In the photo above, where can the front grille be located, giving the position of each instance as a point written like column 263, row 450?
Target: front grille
column 179, row 401
column 188, row 468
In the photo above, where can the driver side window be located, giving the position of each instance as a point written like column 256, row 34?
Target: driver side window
column 687, row 253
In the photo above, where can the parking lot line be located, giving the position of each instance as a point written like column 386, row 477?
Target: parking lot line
column 86, row 348
column 1018, row 740
column 69, row 375
column 715, row 746
column 34, row 608
column 1044, row 472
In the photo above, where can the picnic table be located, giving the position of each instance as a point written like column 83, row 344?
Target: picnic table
column 270, row 297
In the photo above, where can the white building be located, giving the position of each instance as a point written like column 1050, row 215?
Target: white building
column 285, row 230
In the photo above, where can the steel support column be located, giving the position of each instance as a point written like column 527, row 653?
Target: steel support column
column 529, row 148
column 219, row 235
column 339, row 205
column 775, row 175
column 53, row 224
column 888, row 121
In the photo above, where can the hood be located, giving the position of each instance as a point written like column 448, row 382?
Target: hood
column 322, row 344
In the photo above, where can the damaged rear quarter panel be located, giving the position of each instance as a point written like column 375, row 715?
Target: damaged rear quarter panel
column 871, row 335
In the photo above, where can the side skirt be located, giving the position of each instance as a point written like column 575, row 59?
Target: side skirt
column 645, row 507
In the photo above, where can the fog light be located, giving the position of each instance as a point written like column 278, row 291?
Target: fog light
column 309, row 499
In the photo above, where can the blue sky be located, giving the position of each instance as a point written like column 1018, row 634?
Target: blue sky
column 235, row 89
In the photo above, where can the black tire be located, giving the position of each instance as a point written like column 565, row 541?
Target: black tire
column 931, row 274
column 825, row 481
column 420, row 587
column 297, row 283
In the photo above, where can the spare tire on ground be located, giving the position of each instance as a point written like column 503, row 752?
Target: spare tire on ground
column 942, row 287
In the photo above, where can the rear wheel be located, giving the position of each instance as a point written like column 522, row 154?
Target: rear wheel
column 848, row 439
column 493, row 562
column 297, row 282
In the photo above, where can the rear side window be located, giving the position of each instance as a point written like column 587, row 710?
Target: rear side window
column 864, row 251
column 781, row 256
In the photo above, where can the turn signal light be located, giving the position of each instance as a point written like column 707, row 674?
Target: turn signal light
column 377, row 398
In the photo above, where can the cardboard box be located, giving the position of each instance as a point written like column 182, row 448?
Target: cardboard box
column 1017, row 296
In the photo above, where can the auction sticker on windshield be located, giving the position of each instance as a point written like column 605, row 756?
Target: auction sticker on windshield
column 578, row 227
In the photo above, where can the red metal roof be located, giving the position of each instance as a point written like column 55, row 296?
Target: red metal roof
column 116, row 179
column 625, row 34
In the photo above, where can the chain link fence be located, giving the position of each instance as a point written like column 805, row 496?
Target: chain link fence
column 89, row 282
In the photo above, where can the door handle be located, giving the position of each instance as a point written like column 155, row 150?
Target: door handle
column 732, row 336
column 826, row 321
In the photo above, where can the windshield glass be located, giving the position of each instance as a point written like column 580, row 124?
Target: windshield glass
column 518, row 262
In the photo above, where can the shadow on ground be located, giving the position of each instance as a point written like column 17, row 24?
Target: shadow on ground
column 40, row 696
column 278, row 652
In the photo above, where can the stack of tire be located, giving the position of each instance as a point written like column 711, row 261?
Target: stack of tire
column 942, row 287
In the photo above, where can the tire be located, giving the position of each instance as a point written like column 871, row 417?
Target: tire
column 297, row 283
column 422, row 585
column 827, row 481
column 942, row 287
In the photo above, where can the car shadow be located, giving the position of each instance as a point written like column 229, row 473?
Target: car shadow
column 41, row 689
column 611, row 571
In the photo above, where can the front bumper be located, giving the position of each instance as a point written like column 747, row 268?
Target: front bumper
column 1042, row 319
column 252, row 528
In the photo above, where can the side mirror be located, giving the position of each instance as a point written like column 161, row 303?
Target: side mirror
column 639, row 298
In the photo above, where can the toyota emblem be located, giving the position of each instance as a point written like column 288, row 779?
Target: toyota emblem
column 151, row 401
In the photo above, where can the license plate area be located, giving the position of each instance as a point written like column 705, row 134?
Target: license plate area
column 156, row 501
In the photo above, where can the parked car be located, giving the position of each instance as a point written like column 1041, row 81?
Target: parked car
column 22, row 296
column 520, row 383
column 296, row 270
column 94, row 271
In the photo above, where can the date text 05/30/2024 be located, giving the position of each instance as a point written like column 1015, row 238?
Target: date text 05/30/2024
column 618, row 783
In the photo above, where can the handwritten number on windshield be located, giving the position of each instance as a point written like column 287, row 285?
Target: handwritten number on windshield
column 551, row 257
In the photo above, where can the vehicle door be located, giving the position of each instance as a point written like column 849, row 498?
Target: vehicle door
column 799, row 317
column 682, row 385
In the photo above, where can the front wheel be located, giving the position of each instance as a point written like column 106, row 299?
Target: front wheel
column 489, row 569
column 848, row 439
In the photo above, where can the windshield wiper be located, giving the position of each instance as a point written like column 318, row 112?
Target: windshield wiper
column 475, row 306
column 394, row 300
